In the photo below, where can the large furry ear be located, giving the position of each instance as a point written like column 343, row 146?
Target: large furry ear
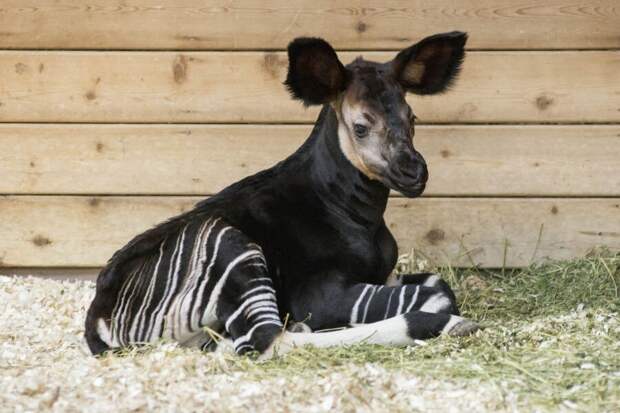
column 315, row 75
column 432, row 64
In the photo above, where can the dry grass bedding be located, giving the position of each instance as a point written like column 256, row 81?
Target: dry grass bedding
column 552, row 343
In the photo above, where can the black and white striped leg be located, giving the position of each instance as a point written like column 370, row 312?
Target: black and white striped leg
column 333, row 304
column 373, row 302
column 248, row 308
column 381, row 315
column 428, row 279
column 402, row 330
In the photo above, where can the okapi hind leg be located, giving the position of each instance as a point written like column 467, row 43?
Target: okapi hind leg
column 246, row 305
column 209, row 275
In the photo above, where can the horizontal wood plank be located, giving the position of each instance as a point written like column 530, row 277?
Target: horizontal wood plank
column 203, row 159
column 84, row 231
column 246, row 87
column 270, row 24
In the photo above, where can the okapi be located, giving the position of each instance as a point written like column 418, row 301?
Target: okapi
column 303, row 241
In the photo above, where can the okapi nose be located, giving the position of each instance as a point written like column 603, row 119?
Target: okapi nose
column 413, row 167
column 420, row 168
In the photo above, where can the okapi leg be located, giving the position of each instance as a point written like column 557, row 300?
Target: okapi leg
column 402, row 330
column 332, row 304
column 374, row 303
column 428, row 279
column 248, row 310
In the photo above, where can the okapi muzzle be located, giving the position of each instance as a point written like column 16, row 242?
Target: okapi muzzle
column 408, row 172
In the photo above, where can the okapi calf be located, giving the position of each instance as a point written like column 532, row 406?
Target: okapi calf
column 304, row 239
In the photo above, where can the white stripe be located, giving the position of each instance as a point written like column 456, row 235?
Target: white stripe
column 372, row 294
column 139, row 319
column 265, row 307
column 247, row 336
column 195, row 311
column 175, row 282
column 117, row 322
column 238, row 349
column 123, row 312
column 259, row 279
column 149, row 333
column 400, row 300
column 211, row 311
column 104, row 332
column 261, row 287
column 254, row 245
column 270, row 304
column 171, row 282
column 268, row 316
column 431, row 281
column 156, row 327
column 261, row 307
column 357, row 304
column 199, row 251
column 117, row 307
column 435, row 303
column 180, row 304
column 413, row 299
column 260, row 298
column 183, row 303
column 257, row 264
column 387, row 308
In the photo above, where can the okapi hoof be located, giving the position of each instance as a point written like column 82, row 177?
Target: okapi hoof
column 464, row 328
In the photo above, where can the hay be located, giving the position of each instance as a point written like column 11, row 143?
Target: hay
column 552, row 343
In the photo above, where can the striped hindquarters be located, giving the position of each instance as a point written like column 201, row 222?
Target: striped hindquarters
column 175, row 292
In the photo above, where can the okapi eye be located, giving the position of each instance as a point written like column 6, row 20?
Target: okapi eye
column 360, row 130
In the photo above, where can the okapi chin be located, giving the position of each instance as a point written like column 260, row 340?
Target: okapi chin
column 304, row 240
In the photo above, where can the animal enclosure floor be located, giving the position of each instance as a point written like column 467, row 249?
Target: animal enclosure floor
column 551, row 343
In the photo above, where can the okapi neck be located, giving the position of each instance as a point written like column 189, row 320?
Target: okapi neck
column 341, row 186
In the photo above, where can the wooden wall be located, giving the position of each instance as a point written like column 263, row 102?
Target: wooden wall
column 117, row 114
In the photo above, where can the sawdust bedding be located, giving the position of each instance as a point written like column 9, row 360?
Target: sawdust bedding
column 45, row 365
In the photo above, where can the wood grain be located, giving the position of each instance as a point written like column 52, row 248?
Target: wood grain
column 549, row 160
column 246, row 87
column 271, row 24
column 53, row 231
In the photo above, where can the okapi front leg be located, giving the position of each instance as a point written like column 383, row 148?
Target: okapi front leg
column 402, row 330
column 425, row 311
column 377, row 302
column 427, row 279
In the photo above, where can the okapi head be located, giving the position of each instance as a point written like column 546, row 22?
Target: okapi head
column 375, row 123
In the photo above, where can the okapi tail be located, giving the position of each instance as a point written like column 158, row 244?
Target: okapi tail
column 96, row 345
column 100, row 308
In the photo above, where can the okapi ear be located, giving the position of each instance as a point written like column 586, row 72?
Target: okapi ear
column 431, row 65
column 315, row 75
